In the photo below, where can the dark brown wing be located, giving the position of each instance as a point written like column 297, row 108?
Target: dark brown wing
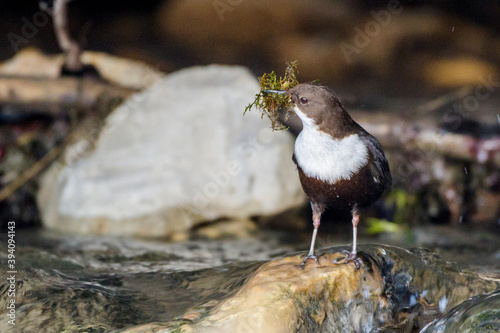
column 380, row 167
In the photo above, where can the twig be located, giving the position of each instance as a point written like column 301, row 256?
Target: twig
column 443, row 100
column 69, row 46
column 45, row 7
column 31, row 172
column 88, row 124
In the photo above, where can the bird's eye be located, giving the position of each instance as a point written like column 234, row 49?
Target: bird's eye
column 303, row 100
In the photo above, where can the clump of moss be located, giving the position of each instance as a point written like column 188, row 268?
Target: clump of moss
column 269, row 103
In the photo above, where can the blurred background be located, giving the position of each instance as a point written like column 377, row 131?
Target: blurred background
column 420, row 43
column 392, row 57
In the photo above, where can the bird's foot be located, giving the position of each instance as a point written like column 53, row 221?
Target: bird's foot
column 309, row 256
column 352, row 256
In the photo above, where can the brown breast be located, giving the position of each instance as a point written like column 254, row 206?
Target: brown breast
column 361, row 190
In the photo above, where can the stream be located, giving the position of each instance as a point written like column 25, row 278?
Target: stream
column 72, row 283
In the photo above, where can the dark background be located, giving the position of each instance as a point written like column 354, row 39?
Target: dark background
column 136, row 29
column 427, row 50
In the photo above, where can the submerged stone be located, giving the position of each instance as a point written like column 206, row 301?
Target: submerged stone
column 480, row 314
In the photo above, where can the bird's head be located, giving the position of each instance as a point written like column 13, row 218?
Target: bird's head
column 316, row 105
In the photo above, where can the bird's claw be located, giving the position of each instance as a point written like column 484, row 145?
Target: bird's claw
column 309, row 256
column 352, row 256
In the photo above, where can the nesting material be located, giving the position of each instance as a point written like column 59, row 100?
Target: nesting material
column 270, row 103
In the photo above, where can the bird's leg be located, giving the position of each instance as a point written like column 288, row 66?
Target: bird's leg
column 352, row 256
column 317, row 211
column 355, row 221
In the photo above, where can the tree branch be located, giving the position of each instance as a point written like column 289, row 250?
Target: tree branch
column 72, row 49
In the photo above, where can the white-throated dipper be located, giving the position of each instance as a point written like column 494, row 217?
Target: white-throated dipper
column 341, row 166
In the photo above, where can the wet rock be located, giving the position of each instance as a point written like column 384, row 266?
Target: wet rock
column 281, row 297
column 172, row 157
column 394, row 288
column 337, row 297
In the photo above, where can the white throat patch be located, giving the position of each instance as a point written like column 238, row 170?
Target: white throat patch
column 322, row 157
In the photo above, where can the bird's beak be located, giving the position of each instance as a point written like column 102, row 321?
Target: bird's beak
column 270, row 91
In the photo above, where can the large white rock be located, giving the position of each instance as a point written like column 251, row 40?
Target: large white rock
column 173, row 156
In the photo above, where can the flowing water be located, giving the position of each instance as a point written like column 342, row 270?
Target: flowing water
column 99, row 284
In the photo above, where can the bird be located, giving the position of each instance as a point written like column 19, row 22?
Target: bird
column 341, row 166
